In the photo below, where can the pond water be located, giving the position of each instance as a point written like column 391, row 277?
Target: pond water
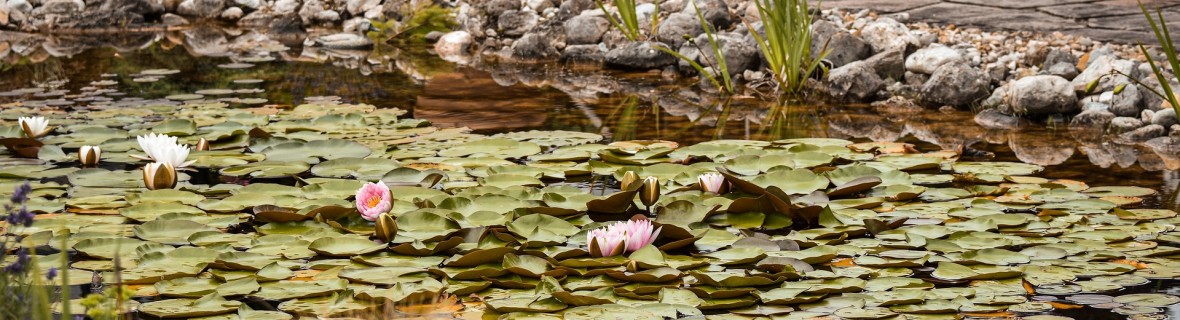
column 491, row 98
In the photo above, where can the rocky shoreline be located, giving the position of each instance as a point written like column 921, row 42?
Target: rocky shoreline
column 1010, row 78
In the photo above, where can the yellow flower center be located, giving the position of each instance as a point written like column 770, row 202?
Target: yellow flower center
column 373, row 202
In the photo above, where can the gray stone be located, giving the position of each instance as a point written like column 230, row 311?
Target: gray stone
column 916, row 79
column 885, row 33
column 889, row 64
column 991, row 118
column 639, row 56
column 1039, row 95
column 1146, row 116
column 1102, row 67
column 514, row 23
column 60, row 7
column 284, row 7
column 233, row 13
column 740, row 54
column 570, row 8
column 997, row 72
column 583, row 53
column 1145, row 133
column 330, row 16
column 20, row 5
column 200, row 8
column 675, row 27
column 1094, row 105
column 954, row 84
column 454, row 43
column 533, row 46
column 585, row 29
column 173, row 20
column 1096, row 119
column 856, row 81
column 494, row 8
column 252, row 4
column 1060, row 55
column 1123, row 124
column 1125, row 103
column 539, row 5
column 358, row 7
column 842, row 47
column 716, row 12
column 928, row 59
column 1165, row 117
column 1064, row 70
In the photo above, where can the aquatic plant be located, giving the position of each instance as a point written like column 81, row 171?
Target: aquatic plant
column 628, row 19
column 165, row 149
column 24, row 292
column 34, row 127
column 373, row 199
column 711, row 182
column 107, row 305
column 786, row 45
column 418, row 19
column 159, row 175
column 1160, row 28
column 621, row 237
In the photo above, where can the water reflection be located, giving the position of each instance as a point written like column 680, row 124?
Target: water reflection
column 491, row 97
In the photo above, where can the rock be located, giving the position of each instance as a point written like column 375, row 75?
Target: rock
column 990, row 118
column 740, row 54
column 533, row 46
column 1174, row 131
column 311, row 9
column 954, row 84
column 1165, row 117
column 342, row 41
column 252, row 4
column 494, row 8
column 889, row 64
column 514, row 23
column 200, row 8
column 1064, row 70
column 1146, row 116
column 62, row 7
column 172, row 20
column 1123, row 124
column 326, row 16
column 362, row 25
column 20, row 5
column 1039, row 95
column 1103, row 67
column 857, row 81
column 233, row 13
column 1060, row 55
column 583, row 53
column 359, row 7
column 1124, row 104
column 928, row 59
column 1094, row 105
column 285, row 24
column 539, row 5
column 915, row 79
column 1097, row 119
column 885, row 33
column 138, row 7
column 673, row 29
column 454, row 43
column 570, row 8
column 843, row 47
column 716, row 12
column 585, row 29
column 639, row 56
column 997, row 72
column 284, row 7
column 1143, row 134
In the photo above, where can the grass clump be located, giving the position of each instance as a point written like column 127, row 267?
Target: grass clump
column 719, row 67
column 787, row 43
column 628, row 20
column 1164, row 37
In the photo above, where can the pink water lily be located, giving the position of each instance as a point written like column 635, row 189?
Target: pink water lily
column 711, row 182
column 373, row 199
column 619, row 237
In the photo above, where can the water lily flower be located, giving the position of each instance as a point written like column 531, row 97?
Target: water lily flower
column 650, row 191
column 373, row 199
column 607, row 241
column 159, row 175
column 639, row 233
column 164, row 148
column 386, row 228
column 89, row 155
column 620, row 237
column 711, row 182
column 629, row 179
column 34, row 127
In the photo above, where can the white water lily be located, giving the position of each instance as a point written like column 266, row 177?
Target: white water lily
column 164, row 148
column 34, row 127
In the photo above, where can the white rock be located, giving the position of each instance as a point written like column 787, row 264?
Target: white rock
column 886, row 33
column 928, row 59
column 252, row 4
column 283, row 7
column 357, row 7
column 453, row 45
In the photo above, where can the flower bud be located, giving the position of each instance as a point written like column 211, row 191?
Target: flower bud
column 202, row 145
column 159, row 175
column 650, row 191
column 386, row 227
column 629, row 179
column 89, row 155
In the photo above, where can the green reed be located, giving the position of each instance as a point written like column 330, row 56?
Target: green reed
column 1165, row 40
column 787, row 43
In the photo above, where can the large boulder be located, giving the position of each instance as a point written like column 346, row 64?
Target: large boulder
column 954, row 84
column 842, row 47
column 639, row 56
column 585, row 53
column 928, row 59
column 1061, row 62
column 885, row 33
column 1103, row 67
column 454, row 43
column 514, row 23
column 855, row 81
column 739, row 51
column 1039, row 95
column 533, row 46
column 1092, row 119
column 716, row 12
column 889, row 64
column 675, row 27
column 585, row 29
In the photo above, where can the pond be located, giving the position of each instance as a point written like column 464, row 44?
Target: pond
column 854, row 210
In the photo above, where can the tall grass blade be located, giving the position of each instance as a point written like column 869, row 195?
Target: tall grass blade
column 628, row 20
column 1164, row 37
column 787, row 43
